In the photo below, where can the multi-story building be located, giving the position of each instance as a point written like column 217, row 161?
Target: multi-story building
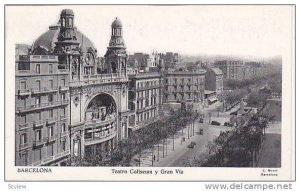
column 138, row 60
column 251, row 69
column 214, row 81
column 184, row 86
column 22, row 49
column 42, row 100
column 144, row 98
column 170, row 59
column 66, row 102
column 154, row 60
column 231, row 69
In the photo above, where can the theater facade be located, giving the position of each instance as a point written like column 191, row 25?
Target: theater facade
column 67, row 102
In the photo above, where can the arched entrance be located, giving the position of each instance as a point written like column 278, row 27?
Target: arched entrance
column 100, row 126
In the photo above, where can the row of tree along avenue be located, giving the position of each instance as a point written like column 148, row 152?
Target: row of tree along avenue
column 239, row 147
column 154, row 134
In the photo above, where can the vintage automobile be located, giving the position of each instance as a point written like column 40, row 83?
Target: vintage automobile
column 200, row 131
column 215, row 123
column 192, row 145
column 201, row 120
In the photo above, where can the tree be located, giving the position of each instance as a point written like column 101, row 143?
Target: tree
column 236, row 148
column 253, row 100
column 234, row 96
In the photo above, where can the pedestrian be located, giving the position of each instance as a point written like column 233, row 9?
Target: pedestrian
column 153, row 157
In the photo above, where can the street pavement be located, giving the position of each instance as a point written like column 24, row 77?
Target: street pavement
column 181, row 151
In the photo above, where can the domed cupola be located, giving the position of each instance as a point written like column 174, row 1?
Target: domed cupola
column 67, row 38
column 75, row 51
column 117, row 23
column 116, row 39
column 116, row 56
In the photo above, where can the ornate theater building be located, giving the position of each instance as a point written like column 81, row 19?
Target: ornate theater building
column 71, row 102
column 67, row 103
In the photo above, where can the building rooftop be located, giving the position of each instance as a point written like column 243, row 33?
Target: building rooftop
column 185, row 72
column 48, row 39
column 145, row 75
column 116, row 23
column 208, row 92
column 67, row 12
column 217, row 71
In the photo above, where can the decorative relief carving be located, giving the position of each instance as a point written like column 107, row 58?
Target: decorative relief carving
column 76, row 99
column 124, row 91
column 99, row 89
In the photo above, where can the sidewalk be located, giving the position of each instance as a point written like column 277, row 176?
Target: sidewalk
column 146, row 157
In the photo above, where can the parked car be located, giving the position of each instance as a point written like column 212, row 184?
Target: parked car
column 215, row 123
column 201, row 120
column 227, row 124
column 192, row 145
column 201, row 131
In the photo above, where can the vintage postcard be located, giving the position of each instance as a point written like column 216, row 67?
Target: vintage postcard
column 149, row 93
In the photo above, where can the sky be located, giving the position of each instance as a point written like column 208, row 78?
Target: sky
column 260, row 31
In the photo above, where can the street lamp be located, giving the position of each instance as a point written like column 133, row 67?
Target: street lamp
column 158, row 152
column 153, row 157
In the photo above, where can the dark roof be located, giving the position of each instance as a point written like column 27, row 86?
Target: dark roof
column 217, row 71
column 48, row 39
column 67, row 12
column 116, row 23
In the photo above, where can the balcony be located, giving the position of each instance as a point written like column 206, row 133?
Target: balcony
column 63, row 71
column 38, row 142
column 64, row 134
column 62, row 154
column 23, row 126
column 50, row 138
column 146, row 87
column 38, row 124
column 97, row 79
column 44, row 90
column 25, row 92
column 50, row 121
column 63, row 88
column 101, row 139
column 99, row 122
column 140, row 110
column 23, row 146
column 34, row 107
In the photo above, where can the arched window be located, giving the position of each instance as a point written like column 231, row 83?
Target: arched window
column 63, row 22
column 70, row 22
